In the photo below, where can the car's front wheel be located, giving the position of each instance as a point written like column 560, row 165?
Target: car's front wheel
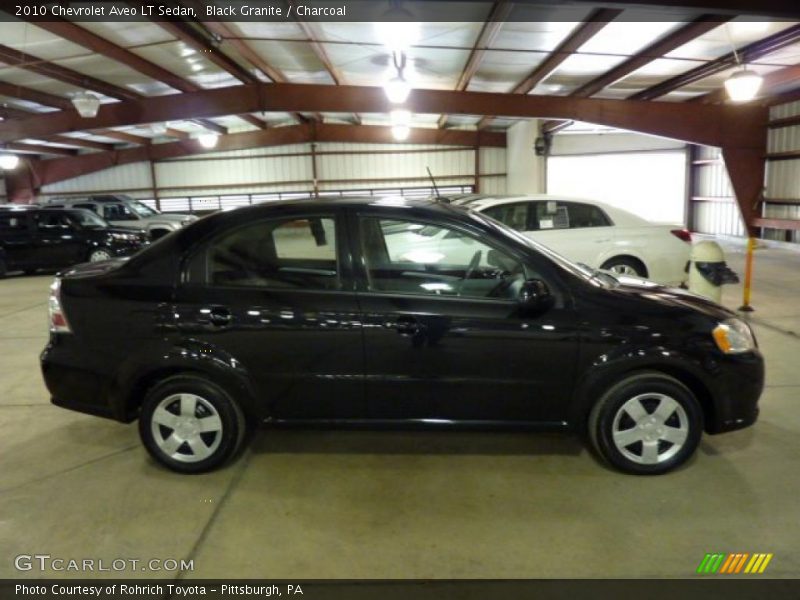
column 190, row 424
column 648, row 423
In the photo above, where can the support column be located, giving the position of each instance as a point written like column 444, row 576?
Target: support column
column 525, row 171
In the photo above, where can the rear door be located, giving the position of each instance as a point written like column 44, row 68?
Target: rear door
column 276, row 296
column 16, row 238
column 57, row 240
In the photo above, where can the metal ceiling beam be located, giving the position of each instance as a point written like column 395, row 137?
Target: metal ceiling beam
column 122, row 136
column 774, row 84
column 696, row 123
column 491, row 28
column 598, row 19
column 748, row 53
column 32, row 95
column 51, row 171
column 323, row 57
column 8, row 112
column 41, row 149
column 229, row 37
column 36, row 65
column 654, row 51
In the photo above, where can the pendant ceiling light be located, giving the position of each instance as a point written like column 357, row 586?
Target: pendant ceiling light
column 86, row 104
column 401, row 124
column 208, row 140
column 743, row 85
column 397, row 89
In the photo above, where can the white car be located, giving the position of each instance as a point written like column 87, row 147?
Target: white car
column 596, row 234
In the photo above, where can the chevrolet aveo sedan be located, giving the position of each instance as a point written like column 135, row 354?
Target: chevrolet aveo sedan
column 313, row 312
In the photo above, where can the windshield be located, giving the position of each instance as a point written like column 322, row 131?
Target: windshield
column 87, row 219
column 578, row 269
column 141, row 209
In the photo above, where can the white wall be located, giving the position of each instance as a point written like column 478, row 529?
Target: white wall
column 650, row 183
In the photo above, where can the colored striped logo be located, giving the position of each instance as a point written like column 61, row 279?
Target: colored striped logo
column 731, row 564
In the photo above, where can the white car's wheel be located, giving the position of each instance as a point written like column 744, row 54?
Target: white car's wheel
column 624, row 265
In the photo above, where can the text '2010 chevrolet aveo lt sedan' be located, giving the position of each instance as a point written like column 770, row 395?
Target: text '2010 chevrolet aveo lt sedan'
column 321, row 312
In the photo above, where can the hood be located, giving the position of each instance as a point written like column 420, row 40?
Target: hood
column 172, row 218
column 670, row 297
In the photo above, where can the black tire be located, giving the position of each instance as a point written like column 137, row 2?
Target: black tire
column 3, row 267
column 646, row 390
column 211, row 402
column 622, row 265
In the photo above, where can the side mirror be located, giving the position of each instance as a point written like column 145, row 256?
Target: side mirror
column 535, row 296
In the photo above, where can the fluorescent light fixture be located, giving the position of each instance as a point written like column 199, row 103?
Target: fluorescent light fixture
column 86, row 104
column 208, row 140
column 401, row 132
column 743, row 85
column 8, row 162
column 397, row 89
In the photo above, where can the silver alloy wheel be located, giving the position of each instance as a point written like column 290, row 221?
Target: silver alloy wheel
column 98, row 255
column 659, row 428
column 186, row 427
column 623, row 269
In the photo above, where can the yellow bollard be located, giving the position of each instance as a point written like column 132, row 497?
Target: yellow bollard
column 748, row 275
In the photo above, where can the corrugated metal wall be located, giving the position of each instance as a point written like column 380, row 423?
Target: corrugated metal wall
column 340, row 166
column 713, row 206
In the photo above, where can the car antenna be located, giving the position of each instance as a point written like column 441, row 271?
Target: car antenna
column 435, row 189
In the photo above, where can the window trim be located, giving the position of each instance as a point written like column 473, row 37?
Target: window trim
column 201, row 245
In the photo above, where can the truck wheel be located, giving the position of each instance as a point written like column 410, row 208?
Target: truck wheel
column 3, row 268
column 647, row 424
column 99, row 254
column 190, row 424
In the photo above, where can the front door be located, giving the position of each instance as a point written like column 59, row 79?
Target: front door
column 57, row 240
column 274, row 295
column 444, row 336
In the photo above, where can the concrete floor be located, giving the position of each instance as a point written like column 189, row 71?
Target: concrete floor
column 310, row 504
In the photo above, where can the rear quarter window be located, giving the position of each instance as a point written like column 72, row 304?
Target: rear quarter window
column 553, row 214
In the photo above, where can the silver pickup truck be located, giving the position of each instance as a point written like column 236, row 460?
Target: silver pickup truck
column 123, row 211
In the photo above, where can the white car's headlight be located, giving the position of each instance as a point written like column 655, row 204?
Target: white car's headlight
column 733, row 336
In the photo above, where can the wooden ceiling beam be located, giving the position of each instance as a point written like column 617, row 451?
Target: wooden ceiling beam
column 596, row 21
column 32, row 95
column 40, row 149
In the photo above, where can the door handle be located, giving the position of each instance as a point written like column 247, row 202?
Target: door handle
column 219, row 316
column 407, row 325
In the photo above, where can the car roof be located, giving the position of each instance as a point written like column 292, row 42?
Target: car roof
column 618, row 215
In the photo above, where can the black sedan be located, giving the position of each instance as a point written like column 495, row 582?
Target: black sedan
column 33, row 238
column 341, row 313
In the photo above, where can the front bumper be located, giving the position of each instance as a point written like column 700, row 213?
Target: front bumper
column 738, row 382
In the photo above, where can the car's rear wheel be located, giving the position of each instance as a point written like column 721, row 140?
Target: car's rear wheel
column 99, row 254
column 625, row 265
column 648, row 423
column 3, row 268
column 190, row 424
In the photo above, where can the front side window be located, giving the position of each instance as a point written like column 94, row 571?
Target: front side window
column 142, row 210
column 285, row 253
column 408, row 257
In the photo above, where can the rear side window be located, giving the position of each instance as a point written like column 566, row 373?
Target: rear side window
column 11, row 222
column 52, row 221
column 513, row 215
column 552, row 214
column 286, row 253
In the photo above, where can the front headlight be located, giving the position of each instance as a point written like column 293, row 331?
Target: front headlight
column 733, row 336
